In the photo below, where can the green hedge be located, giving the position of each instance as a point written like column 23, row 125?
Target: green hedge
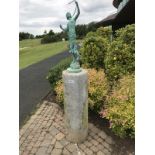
column 116, row 56
column 119, row 109
column 95, row 46
column 55, row 73
column 120, row 57
column 105, row 32
column 93, row 52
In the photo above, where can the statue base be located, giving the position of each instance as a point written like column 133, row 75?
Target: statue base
column 76, row 105
column 74, row 67
column 71, row 70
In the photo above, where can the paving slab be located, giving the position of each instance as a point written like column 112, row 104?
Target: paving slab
column 48, row 138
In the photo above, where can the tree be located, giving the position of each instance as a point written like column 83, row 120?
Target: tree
column 51, row 33
column 91, row 27
column 81, row 31
column 25, row 35
column 45, row 32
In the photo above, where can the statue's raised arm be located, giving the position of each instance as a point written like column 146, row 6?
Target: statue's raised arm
column 63, row 29
column 78, row 10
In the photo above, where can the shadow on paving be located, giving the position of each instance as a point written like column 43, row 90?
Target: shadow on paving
column 33, row 86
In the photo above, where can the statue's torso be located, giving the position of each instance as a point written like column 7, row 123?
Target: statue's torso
column 71, row 29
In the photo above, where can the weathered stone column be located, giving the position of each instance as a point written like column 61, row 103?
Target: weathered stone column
column 76, row 105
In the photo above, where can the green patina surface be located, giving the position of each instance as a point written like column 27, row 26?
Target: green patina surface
column 74, row 66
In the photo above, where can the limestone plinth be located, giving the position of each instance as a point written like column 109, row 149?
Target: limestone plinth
column 76, row 105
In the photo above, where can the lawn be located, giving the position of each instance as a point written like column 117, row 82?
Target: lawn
column 32, row 51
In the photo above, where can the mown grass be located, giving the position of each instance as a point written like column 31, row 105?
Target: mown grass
column 32, row 51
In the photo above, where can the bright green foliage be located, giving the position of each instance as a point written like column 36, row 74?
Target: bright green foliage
column 91, row 34
column 95, row 47
column 93, row 52
column 119, row 109
column 105, row 32
column 127, row 35
column 97, row 90
column 55, row 73
column 120, row 57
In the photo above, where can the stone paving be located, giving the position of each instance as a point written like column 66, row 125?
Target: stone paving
column 45, row 134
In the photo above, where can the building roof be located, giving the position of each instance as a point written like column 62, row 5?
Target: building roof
column 125, row 15
column 108, row 20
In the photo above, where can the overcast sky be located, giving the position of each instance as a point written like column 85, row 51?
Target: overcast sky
column 39, row 15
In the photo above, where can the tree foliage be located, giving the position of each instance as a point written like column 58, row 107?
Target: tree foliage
column 25, row 35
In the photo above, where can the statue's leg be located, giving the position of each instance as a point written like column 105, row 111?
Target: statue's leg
column 72, row 51
column 77, row 56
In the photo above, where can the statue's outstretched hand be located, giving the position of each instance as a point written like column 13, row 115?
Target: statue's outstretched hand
column 60, row 26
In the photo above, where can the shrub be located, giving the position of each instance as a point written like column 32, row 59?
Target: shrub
column 126, row 34
column 119, row 109
column 97, row 89
column 120, row 58
column 55, row 73
column 59, row 92
column 95, row 47
column 93, row 52
column 91, row 34
column 49, row 39
column 105, row 32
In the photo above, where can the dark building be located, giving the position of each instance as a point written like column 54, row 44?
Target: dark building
column 125, row 15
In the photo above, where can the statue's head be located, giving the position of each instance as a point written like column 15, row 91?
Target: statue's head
column 68, row 15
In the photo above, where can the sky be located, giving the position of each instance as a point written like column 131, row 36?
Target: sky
column 36, row 16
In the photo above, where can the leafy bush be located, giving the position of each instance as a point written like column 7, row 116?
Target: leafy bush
column 127, row 35
column 104, row 32
column 95, row 47
column 55, row 73
column 59, row 92
column 120, row 58
column 97, row 89
column 91, row 34
column 49, row 39
column 119, row 109
column 93, row 52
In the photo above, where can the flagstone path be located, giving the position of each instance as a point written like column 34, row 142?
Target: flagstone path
column 45, row 134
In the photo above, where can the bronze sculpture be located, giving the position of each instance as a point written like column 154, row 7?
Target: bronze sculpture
column 74, row 66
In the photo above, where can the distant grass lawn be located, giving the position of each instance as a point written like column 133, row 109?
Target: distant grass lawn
column 32, row 51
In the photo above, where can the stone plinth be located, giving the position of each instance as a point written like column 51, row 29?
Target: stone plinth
column 76, row 105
